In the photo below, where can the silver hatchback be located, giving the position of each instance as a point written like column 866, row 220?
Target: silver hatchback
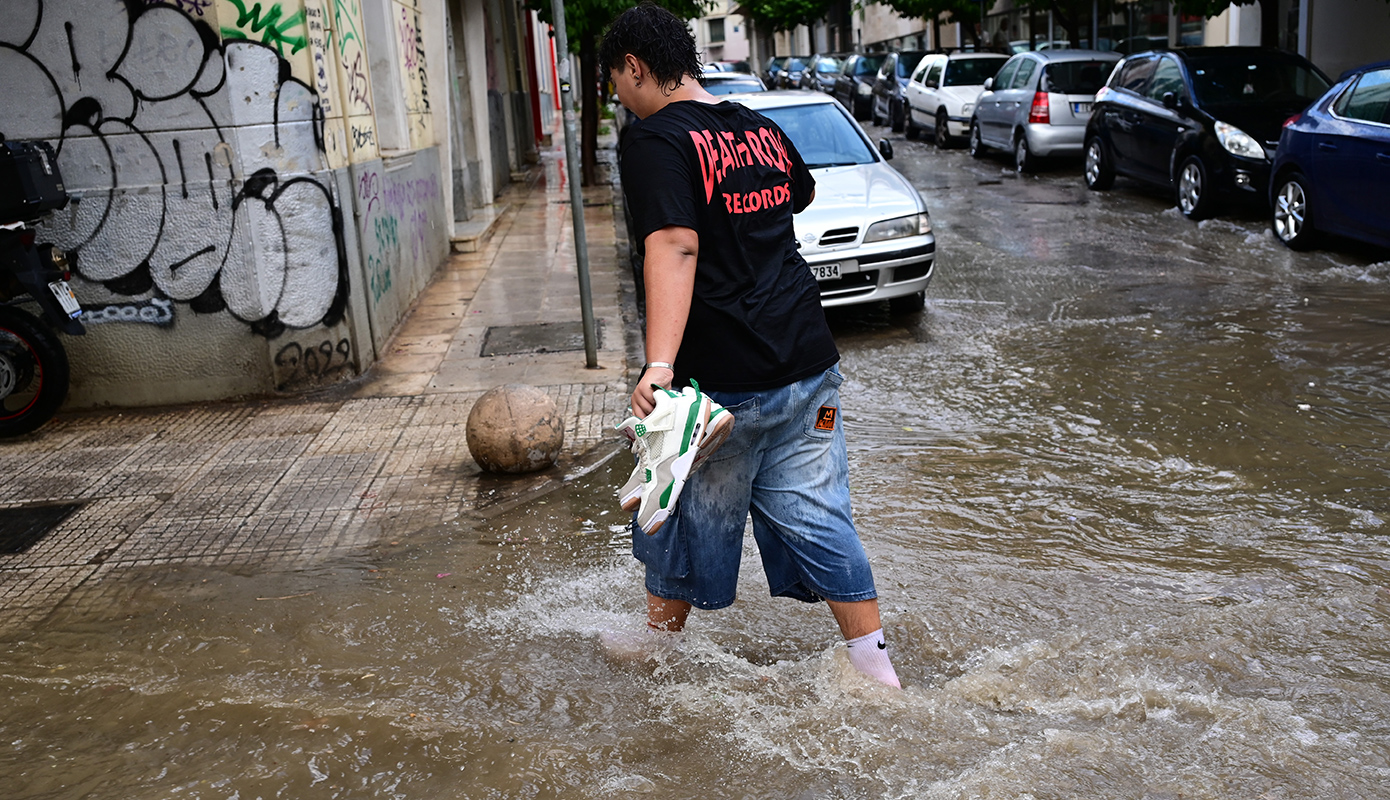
column 1038, row 104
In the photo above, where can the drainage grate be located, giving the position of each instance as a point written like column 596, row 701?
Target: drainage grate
column 22, row 528
column 546, row 337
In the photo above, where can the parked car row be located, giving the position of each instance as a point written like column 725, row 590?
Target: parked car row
column 1220, row 126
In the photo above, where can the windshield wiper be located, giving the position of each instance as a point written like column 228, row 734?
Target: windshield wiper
column 833, row 164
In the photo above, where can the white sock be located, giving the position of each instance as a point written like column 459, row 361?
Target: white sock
column 869, row 655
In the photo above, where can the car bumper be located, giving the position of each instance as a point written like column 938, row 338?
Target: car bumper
column 870, row 277
column 958, row 126
column 1244, row 177
column 1056, row 140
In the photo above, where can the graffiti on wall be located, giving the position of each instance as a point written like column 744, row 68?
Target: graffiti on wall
column 396, row 216
column 195, row 164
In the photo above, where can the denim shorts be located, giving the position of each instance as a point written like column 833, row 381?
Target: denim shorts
column 784, row 463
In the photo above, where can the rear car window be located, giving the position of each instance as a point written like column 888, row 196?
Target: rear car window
column 1369, row 100
column 1255, row 78
column 1024, row 75
column 971, row 71
column 1134, row 74
column 1167, row 78
column 1077, row 77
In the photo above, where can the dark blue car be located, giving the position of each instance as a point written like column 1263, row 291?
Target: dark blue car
column 1331, row 172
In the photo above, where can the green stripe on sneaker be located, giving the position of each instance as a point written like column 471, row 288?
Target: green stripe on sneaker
column 666, row 495
column 690, row 425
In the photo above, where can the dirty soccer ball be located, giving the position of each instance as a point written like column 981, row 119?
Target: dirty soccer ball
column 515, row 428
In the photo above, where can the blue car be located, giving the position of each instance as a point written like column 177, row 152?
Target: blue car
column 1331, row 172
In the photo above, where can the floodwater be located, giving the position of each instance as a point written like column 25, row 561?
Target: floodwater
column 1124, row 484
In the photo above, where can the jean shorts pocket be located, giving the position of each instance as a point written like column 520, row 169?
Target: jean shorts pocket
column 744, row 434
column 823, row 410
column 663, row 552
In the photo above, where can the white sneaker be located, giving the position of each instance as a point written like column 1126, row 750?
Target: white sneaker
column 682, row 431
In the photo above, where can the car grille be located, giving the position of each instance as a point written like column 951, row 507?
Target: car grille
column 838, row 236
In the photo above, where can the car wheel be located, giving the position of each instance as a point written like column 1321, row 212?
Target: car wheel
column 943, row 133
column 908, row 304
column 910, row 127
column 1290, row 218
column 896, row 116
column 977, row 147
column 1194, row 189
column 1099, row 172
column 1024, row 160
column 873, row 112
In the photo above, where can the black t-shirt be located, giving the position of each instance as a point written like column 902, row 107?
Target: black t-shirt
column 730, row 174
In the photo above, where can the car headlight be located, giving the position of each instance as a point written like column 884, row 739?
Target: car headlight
column 967, row 108
column 1238, row 142
column 865, row 88
column 897, row 228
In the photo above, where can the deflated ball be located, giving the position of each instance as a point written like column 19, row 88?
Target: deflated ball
column 515, row 428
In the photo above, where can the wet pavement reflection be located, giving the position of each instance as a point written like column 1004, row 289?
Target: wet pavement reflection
column 1125, row 490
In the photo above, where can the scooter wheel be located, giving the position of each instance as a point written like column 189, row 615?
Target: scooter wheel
column 33, row 372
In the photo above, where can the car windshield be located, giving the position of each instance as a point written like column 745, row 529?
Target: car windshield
column 1077, row 77
column 971, row 71
column 828, row 65
column 822, row 134
column 1254, row 79
column 731, row 85
column 868, row 65
column 908, row 60
column 794, row 65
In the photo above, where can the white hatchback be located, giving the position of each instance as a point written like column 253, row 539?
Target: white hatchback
column 867, row 236
column 942, row 91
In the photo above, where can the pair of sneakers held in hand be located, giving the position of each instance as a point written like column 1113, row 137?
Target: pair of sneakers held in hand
column 670, row 444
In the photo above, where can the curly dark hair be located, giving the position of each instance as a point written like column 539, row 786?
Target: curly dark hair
column 656, row 36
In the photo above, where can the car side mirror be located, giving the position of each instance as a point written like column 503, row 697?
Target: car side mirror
column 1170, row 101
column 989, row 84
column 885, row 149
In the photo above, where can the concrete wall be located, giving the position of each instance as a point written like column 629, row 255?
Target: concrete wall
column 237, row 228
column 1341, row 34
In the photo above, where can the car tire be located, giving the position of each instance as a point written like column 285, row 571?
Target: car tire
column 909, row 127
column 908, row 304
column 1194, row 189
column 1098, row 172
column 873, row 112
column 896, row 116
column 977, row 146
column 1024, row 160
column 942, row 132
column 1289, row 219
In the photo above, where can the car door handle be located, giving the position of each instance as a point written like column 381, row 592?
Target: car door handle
column 1331, row 148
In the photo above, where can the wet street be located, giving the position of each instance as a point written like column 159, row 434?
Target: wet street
column 1124, row 485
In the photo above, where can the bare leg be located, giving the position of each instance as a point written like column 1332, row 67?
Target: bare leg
column 856, row 619
column 669, row 615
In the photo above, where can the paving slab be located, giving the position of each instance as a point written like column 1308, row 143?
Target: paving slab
column 288, row 482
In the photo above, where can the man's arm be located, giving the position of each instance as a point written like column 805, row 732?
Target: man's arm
column 669, row 277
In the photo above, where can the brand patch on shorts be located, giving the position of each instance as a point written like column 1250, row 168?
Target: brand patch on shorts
column 825, row 418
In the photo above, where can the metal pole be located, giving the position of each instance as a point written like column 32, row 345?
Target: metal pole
column 581, row 247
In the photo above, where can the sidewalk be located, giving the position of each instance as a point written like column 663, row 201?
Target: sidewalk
column 284, row 483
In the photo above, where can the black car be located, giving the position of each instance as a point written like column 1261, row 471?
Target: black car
column 889, row 104
column 1204, row 120
column 854, row 86
column 789, row 77
column 821, row 72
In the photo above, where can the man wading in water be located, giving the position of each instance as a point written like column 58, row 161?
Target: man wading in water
column 712, row 187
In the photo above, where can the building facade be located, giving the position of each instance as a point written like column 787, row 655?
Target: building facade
column 261, row 190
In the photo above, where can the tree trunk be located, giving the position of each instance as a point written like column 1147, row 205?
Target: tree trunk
column 1269, row 23
column 588, row 88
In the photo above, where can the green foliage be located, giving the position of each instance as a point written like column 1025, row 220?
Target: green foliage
column 783, row 15
column 589, row 18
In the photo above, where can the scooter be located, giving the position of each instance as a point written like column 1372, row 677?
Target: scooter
column 34, row 368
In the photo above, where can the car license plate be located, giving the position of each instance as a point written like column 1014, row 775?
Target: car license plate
column 66, row 298
column 826, row 272
column 1080, row 108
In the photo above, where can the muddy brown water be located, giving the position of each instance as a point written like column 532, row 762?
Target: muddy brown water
column 1125, row 488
